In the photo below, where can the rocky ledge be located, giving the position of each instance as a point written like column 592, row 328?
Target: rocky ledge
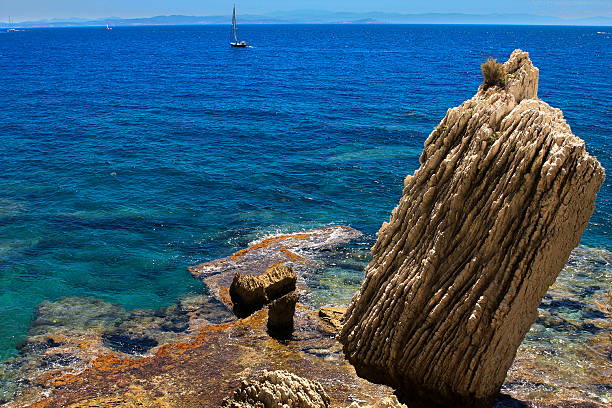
column 297, row 251
column 85, row 353
column 88, row 353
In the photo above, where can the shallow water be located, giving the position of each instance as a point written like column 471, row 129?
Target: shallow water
column 128, row 155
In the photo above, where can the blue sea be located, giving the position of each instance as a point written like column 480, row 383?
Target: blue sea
column 129, row 154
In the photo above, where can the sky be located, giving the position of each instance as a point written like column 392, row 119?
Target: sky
column 25, row 10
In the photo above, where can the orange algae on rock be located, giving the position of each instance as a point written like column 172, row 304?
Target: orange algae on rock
column 267, row 243
column 293, row 257
column 205, row 369
column 277, row 249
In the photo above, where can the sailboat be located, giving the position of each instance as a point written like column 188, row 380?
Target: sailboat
column 108, row 28
column 236, row 43
column 10, row 28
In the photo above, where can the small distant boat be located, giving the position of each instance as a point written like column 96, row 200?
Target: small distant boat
column 108, row 28
column 235, row 43
column 11, row 28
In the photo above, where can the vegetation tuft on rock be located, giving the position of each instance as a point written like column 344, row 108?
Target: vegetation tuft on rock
column 493, row 73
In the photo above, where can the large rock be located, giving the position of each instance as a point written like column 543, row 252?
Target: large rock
column 278, row 389
column 484, row 226
column 249, row 293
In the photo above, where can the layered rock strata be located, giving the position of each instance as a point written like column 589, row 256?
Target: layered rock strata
column 484, row 226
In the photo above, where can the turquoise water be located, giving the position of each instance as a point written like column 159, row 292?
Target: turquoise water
column 128, row 155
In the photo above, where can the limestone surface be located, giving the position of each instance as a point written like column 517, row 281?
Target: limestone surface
column 484, row 226
column 332, row 316
column 278, row 389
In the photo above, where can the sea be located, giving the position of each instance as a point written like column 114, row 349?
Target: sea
column 127, row 155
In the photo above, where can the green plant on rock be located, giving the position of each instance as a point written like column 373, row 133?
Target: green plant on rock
column 493, row 73
column 493, row 137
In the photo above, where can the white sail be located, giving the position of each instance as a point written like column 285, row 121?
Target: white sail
column 234, row 27
column 10, row 26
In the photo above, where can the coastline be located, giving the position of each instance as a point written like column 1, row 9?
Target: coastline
column 67, row 364
column 562, row 360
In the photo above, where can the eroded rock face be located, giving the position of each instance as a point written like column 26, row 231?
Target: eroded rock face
column 484, row 226
column 249, row 293
column 278, row 389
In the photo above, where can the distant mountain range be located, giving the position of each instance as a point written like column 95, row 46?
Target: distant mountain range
column 325, row 17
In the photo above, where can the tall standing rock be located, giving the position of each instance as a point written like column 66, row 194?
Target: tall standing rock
column 484, row 227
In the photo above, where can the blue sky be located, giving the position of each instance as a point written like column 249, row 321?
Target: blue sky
column 22, row 10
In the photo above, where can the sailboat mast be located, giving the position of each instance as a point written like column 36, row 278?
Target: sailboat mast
column 234, row 28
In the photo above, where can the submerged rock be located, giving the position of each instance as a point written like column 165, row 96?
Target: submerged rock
column 70, row 334
column 280, row 315
column 249, row 293
column 278, row 389
column 124, row 342
column 75, row 313
column 484, row 226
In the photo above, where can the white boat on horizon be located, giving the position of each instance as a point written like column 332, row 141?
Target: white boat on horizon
column 108, row 28
column 235, row 43
column 11, row 28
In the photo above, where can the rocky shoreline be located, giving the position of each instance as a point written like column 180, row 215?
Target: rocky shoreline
column 83, row 352
column 197, row 343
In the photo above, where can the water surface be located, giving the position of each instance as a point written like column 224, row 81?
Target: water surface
column 130, row 154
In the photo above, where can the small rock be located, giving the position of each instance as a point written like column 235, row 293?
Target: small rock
column 278, row 389
column 386, row 402
column 280, row 315
column 332, row 316
column 249, row 293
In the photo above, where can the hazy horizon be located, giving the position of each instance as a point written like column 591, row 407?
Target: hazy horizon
column 31, row 10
